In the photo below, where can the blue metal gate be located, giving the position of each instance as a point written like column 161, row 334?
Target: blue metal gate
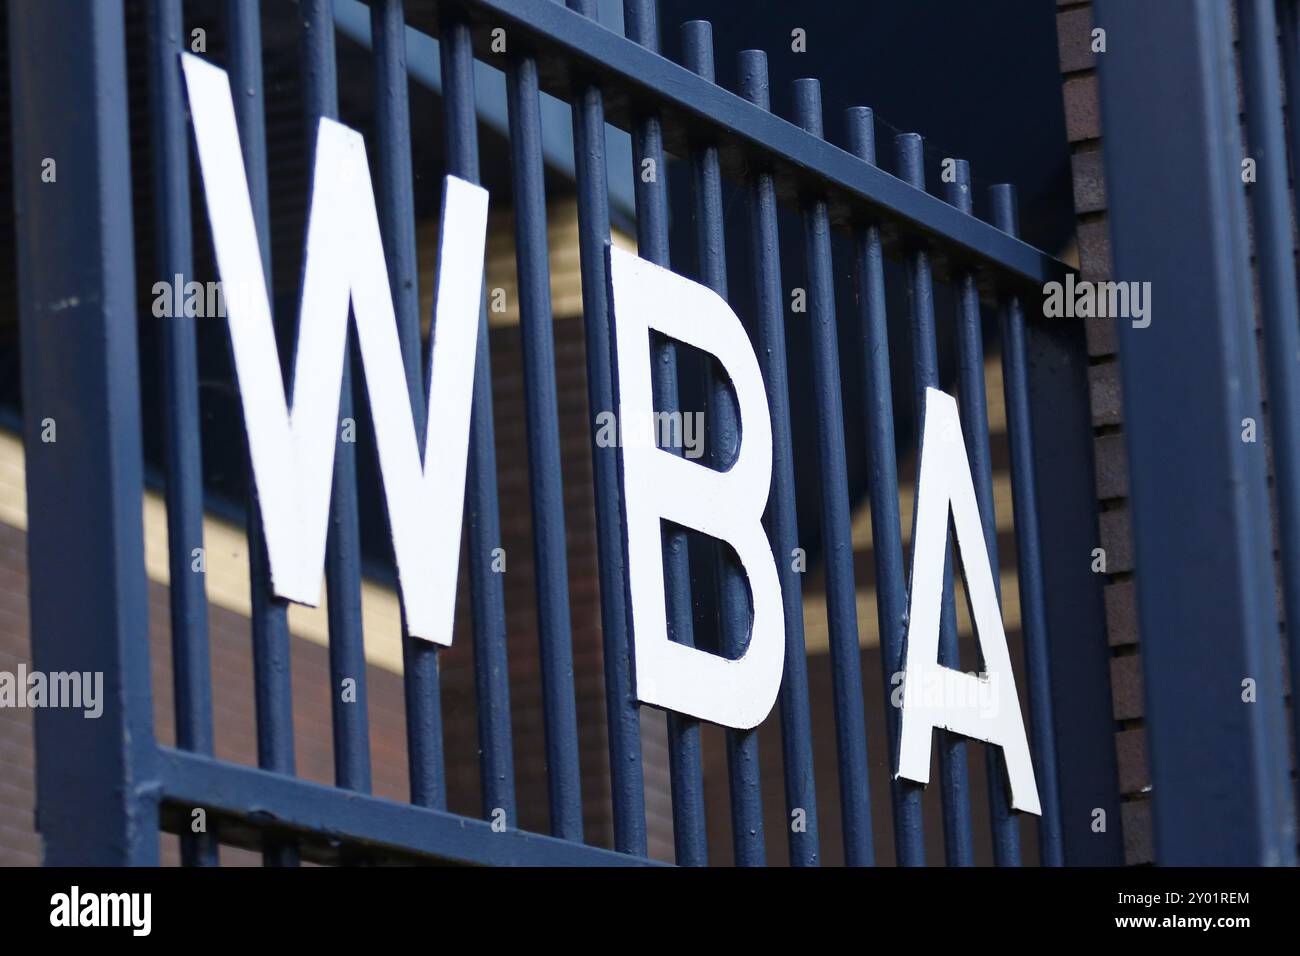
column 107, row 788
column 1222, row 780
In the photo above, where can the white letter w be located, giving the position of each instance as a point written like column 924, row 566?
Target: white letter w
column 293, row 450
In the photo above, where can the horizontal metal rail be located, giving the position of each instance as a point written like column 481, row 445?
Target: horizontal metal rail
column 269, row 801
column 571, row 50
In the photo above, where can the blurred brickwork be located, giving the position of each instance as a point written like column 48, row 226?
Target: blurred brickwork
column 1083, row 122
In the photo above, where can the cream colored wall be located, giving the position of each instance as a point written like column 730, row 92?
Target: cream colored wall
column 226, row 556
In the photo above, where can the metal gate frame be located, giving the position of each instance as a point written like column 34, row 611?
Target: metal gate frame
column 1221, row 769
column 106, row 787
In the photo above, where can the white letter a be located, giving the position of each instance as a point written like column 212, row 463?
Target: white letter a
column 986, row 707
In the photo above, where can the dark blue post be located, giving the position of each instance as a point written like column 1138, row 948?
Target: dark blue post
column 743, row 762
column 272, row 688
column 686, row 772
column 1211, row 653
column 953, row 778
column 564, row 778
column 975, row 429
column 782, row 515
column 882, row 475
column 96, row 786
column 482, row 508
column 395, row 187
column 622, row 714
column 1279, row 309
column 343, row 546
column 1029, row 548
column 837, row 544
column 191, row 675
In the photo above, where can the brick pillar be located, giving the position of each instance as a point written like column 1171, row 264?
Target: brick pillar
column 1074, row 27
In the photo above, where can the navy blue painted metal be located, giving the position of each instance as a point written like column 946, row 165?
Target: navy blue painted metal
column 257, row 798
column 343, row 545
column 686, row 772
column 1029, row 550
column 191, row 664
column 1087, row 776
column 543, row 426
column 837, row 535
column 272, row 687
column 670, row 108
column 782, row 517
column 1288, row 13
column 595, row 55
column 886, row 534
column 743, row 764
column 420, row 682
column 1200, row 490
column 624, row 720
column 1279, row 310
column 482, row 513
column 95, row 779
column 975, row 429
column 953, row 778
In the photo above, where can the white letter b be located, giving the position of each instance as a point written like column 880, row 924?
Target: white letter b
column 660, row 486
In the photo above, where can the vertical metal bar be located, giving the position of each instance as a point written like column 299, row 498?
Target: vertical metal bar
column 1087, row 777
column 420, row 680
column 191, row 665
column 724, row 430
column 954, row 783
column 95, row 779
column 685, row 767
column 272, row 688
column 623, row 717
column 1029, row 549
column 886, row 534
column 483, row 516
column 1199, row 494
column 973, row 404
column 1289, row 17
column 564, row 778
column 343, row 546
column 1279, row 310
column 782, row 517
column 837, row 544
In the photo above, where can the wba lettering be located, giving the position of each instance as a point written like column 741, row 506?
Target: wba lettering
column 293, row 450
column 292, row 444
